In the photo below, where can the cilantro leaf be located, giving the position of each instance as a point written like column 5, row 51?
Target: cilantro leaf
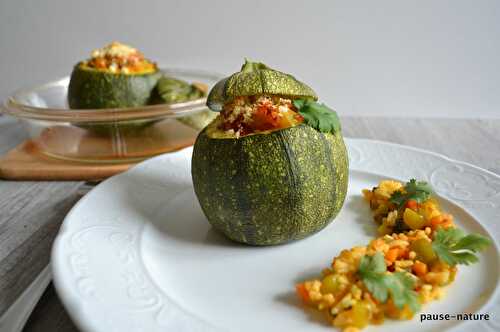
column 453, row 247
column 375, row 263
column 418, row 191
column 398, row 198
column 299, row 103
column 318, row 116
column 372, row 271
column 449, row 237
column 401, row 286
column 472, row 242
column 414, row 187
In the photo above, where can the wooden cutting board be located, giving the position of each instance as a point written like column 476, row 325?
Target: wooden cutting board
column 27, row 163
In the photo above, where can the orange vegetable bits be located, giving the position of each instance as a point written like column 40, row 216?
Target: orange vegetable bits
column 302, row 292
column 265, row 117
column 436, row 221
column 416, row 213
column 412, row 204
column 251, row 114
column 391, row 255
column 367, row 195
column 419, row 268
column 342, row 293
column 444, row 220
column 447, row 221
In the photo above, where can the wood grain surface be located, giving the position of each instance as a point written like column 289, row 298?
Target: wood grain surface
column 26, row 163
column 31, row 212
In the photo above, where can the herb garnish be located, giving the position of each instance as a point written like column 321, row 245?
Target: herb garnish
column 453, row 247
column 419, row 191
column 319, row 116
column 373, row 272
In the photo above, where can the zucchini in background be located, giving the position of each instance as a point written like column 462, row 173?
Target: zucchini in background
column 170, row 90
column 115, row 76
column 119, row 76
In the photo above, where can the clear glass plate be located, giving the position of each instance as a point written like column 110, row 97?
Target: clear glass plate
column 108, row 135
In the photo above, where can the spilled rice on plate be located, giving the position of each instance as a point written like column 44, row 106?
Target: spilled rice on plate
column 411, row 262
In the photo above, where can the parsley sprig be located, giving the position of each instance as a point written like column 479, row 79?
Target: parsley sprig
column 399, row 285
column 453, row 247
column 318, row 116
column 413, row 190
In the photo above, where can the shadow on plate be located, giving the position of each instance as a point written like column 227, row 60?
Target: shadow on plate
column 172, row 209
column 363, row 215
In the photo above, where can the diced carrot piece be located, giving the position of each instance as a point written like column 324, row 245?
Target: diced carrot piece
column 264, row 118
column 302, row 292
column 404, row 253
column 392, row 254
column 100, row 63
column 420, row 268
column 412, row 204
column 447, row 224
column 436, row 221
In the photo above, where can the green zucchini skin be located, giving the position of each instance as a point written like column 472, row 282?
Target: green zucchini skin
column 94, row 89
column 273, row 188
column 255, row 79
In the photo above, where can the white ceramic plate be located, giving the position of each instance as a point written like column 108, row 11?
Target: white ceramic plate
column 137, row 254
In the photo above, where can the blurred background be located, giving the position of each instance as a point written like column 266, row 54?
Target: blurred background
column 396, row 58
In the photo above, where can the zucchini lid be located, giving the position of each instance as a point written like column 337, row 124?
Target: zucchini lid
column 256, row 78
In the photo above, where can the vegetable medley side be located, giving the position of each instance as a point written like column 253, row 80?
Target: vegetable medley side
column 411, row 262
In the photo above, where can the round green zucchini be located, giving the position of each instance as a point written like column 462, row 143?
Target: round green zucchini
column 270, row 188
column 91, row 88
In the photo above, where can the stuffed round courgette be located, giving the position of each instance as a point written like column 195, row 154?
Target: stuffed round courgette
column 115, row 76
column 272, row 167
